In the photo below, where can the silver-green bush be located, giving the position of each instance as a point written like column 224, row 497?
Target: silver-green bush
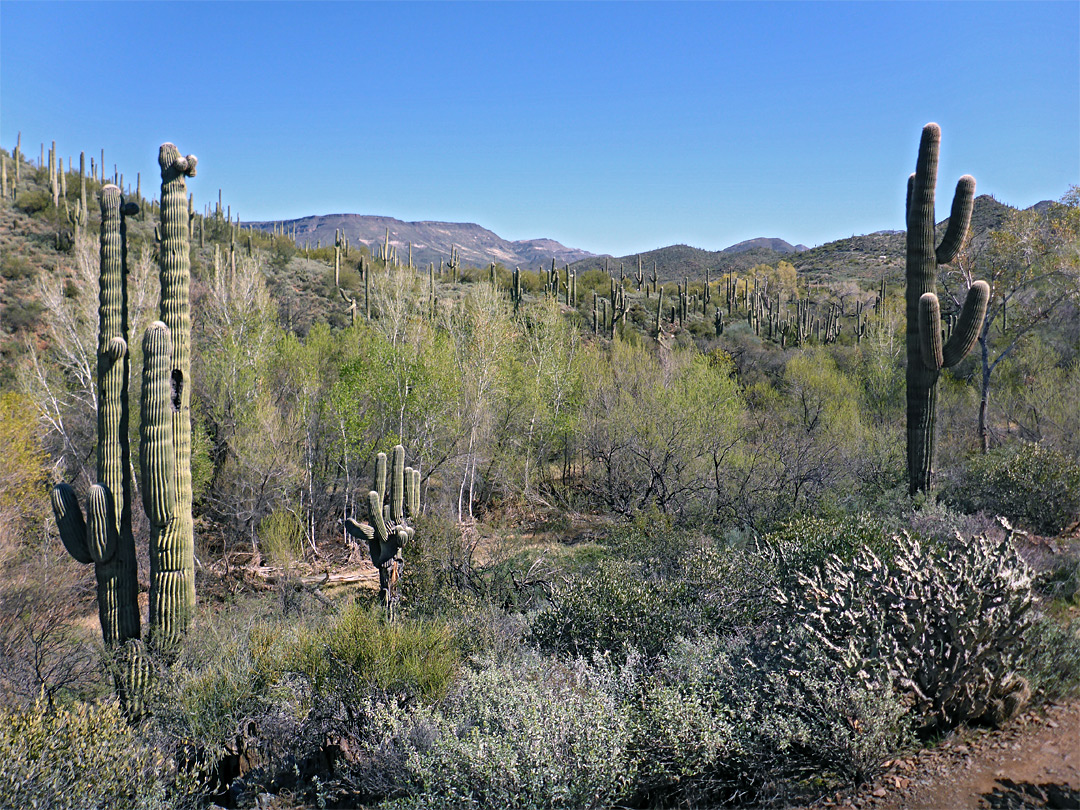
column 538, row 733
column 85, row 756
column 738, row 722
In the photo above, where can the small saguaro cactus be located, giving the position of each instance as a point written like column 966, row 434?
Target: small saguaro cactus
column 387, row 529
column 925, row 354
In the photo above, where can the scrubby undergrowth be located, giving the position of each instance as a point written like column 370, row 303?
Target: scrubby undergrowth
column 752, row 673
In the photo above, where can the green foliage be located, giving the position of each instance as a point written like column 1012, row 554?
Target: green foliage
column 803, row 545
column 282, row 252
column 1052, row 665
column 359, row 651
column 14, row 267
column 84, row 756
column 23, row 466
column 1029, row 483
column 617, row 607
column 288, row 676
column 660, row 584
column 36, row 203
column 281, row 537
column 658, row 429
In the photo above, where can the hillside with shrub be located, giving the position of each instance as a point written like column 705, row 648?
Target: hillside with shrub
column 655, row 545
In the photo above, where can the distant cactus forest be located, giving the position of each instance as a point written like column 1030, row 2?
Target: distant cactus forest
column 295, row 524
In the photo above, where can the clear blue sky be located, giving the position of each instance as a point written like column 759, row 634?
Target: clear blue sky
column 613, row 127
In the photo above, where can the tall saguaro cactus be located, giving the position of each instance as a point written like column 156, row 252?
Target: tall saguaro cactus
column 172, row 543
column 387, row 530
column 925, row 354
column 105, row 537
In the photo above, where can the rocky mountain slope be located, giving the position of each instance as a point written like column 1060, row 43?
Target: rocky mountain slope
column 431, row 241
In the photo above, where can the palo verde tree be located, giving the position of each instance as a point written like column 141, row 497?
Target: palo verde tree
column 1033, row 268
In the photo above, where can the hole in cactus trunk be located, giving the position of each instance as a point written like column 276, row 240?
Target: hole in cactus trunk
column 177, row 388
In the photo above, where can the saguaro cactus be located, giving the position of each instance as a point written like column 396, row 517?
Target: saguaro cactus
column 387, row 530
column 172, row 543
column 925, row 354
column 105, row 537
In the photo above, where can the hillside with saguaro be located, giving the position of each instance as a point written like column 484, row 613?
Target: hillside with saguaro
column 376, row 520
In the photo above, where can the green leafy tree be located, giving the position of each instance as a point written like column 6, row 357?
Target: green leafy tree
column 1033, row 268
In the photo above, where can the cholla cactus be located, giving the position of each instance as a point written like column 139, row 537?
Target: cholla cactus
column 387, row 530
column 946, row 628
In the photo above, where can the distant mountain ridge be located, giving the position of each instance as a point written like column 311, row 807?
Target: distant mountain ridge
column 431, row 241
column 864, row 257
column 769, row 243
column 867, row 256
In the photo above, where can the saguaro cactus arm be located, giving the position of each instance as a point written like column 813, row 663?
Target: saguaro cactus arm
column 70, row 523
column 959, row 220
column 965, row 333
column 157, row 461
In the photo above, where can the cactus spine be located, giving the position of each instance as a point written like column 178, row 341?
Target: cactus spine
column 925, row 354
column 387, row 529
column 172, row 544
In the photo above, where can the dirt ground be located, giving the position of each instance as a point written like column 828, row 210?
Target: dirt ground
column 1033, row 762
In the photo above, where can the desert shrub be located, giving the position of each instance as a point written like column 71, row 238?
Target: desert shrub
column 269, row 670
column 359, row 651
column 946, row 625
column 84, row 756
column 1052, row 664
column 735, row 721
column 1029, row 483
column 803, row 544
column 281, row 537
column 659, row 584
column 616, row 607
column 23, row 468
column 16, row 268
column 1061, row 581
column 36, row 202
column 21, row 316
column 533, row 734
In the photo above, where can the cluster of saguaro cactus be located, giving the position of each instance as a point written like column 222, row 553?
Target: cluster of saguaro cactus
column 619, row 307
column 926, row 355
column 387, row 530
column 105, row 537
